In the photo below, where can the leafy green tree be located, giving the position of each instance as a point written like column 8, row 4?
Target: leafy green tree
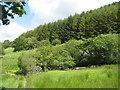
column 54, row 57
column 19, row 43
column 61, row 58
column 10, row 9
column 73, row 47
column 22, row 43
column 43, row 55
column 102, row 49
column 31, row 43
column 26, row 62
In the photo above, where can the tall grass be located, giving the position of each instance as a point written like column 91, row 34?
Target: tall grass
column 94, row 77
column 9, row 81
column 21, row 82
column 101, row 77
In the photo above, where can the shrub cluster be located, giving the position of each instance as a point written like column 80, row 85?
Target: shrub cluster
column 93, row 51
column 26, row 62
column 54, row 57
column 102, row 49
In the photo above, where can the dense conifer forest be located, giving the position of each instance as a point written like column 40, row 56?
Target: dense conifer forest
column 104, row 20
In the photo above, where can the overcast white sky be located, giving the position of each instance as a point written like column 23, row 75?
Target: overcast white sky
column 44, row 11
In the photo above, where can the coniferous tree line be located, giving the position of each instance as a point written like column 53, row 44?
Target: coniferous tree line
column 103, row 20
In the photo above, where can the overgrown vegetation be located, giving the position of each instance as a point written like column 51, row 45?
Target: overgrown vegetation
column 26, row 62
column 93, row 51
column 54, row 57
column 102, row 49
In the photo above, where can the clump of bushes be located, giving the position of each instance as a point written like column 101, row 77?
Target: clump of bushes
column 56, row 42
column 53, row 57
column 44, row 43
column 74, row 47
column 101, row 50
column 26, row 62
column 93, row 51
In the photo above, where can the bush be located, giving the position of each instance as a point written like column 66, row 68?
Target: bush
column 56, row 42
column 53, row 57
column 61, row 58
column 44, row 43
column 102, row 49
column 43, row 55
column 26, row 62
column 23, row 43
column 74, row 47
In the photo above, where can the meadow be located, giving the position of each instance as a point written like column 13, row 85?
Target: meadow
column 105, row 76
column 101, row 77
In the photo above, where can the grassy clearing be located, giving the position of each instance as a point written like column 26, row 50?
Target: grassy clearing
column 101, row 77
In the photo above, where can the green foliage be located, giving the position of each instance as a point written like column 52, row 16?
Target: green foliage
column 26, row 62
column 9, row 9
column 19, row 43
column 85, row 25
column 10, row 60
column 44, row 43
column 23, row 43
column 56, row 42
column 6, row 44
column 75, row 50
column 61, row 58
column 102, row 49
column 43, row 55
column 9, row 50
column 31, row 43
column 53, row 57
column 9, row 81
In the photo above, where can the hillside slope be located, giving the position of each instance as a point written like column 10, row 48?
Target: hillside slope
column 103, row 20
